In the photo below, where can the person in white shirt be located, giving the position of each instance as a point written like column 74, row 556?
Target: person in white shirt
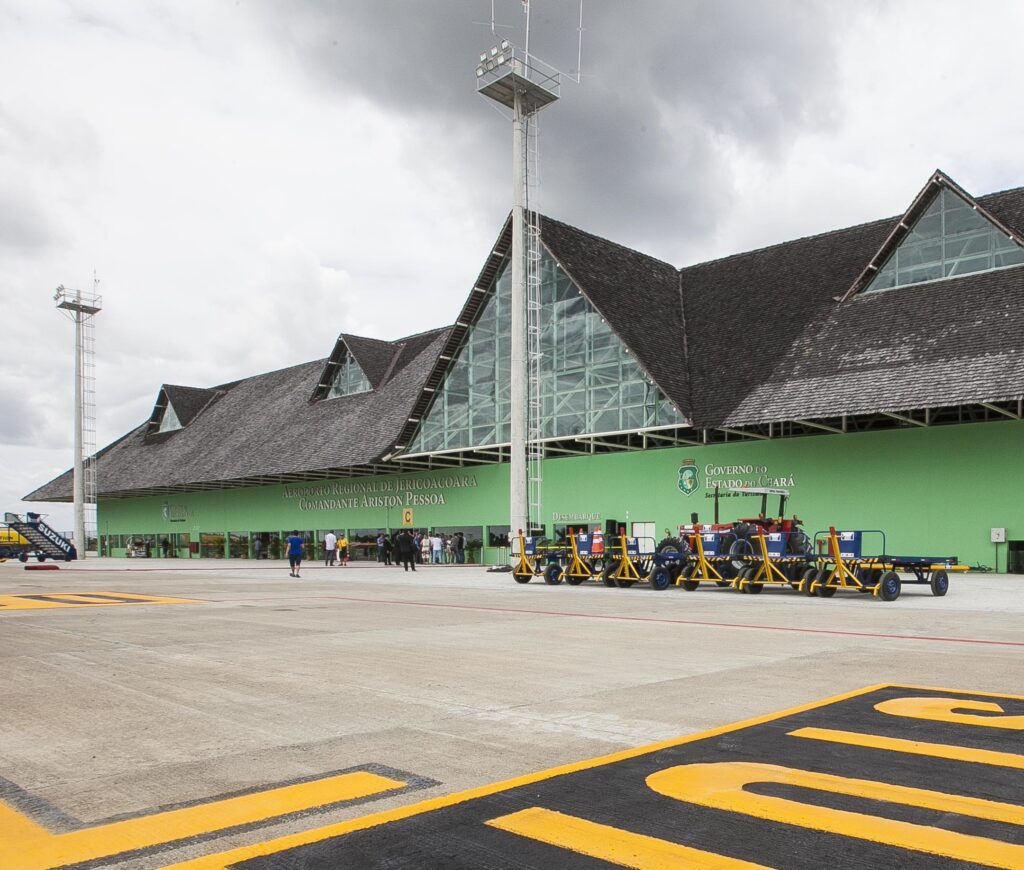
column 435, row 548
column 330, row 547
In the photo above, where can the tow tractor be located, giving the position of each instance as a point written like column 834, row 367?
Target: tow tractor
column 737, row 539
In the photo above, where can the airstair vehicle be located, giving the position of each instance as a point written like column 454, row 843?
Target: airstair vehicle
column 44, row 542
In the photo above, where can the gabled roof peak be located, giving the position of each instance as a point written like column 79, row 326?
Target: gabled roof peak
column 938, row 182
column 184, row 403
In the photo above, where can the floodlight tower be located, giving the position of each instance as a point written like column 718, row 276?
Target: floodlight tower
column 509, row 76
column 81, row 307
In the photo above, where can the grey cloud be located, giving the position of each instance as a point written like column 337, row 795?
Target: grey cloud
column 634, row 152
column 25, row 226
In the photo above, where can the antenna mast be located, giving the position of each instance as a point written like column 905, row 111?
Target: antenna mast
column 509, row 76
column 81, row 307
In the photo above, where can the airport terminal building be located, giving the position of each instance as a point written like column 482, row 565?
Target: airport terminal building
column 877, row 372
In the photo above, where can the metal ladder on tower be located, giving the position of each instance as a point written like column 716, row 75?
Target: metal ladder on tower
column 534, row 327
column 89, row 426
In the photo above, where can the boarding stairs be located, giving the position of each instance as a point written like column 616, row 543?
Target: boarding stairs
column 45, row 542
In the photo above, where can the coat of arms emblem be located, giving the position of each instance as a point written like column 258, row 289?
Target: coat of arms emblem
column 689, row 477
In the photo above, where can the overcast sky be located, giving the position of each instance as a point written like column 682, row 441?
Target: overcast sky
column 250, row 178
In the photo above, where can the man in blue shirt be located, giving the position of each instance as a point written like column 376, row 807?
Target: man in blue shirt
column 295, row 548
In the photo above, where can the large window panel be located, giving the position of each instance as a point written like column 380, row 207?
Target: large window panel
column 951, row 238
column 589, row 383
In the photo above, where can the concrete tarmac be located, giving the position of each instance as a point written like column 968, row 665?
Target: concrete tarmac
column 443, row 680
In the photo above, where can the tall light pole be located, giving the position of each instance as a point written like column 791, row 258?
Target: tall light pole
column 509, row 76
column 81, row 307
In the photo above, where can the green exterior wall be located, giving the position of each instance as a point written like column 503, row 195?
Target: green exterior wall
column 935, row 491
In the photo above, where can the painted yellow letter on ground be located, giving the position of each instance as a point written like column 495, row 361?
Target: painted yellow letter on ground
column 721, row 786
column 942, row 710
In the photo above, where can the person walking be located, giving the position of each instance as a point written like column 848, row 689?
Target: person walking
column 330, row 545
column 406, row 553
column 296, row 546
column 343, row 550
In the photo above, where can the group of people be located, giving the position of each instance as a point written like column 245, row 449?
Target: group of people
column 335, row 546
column 401, row 547
column 421, row 548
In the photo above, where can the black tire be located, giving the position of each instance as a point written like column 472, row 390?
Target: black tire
column 672, row 548
column 939, row 583
column 22, row 556
column 799, row 543
column 691, row 585
column 810, row 575
column 553, row 574
column 755, row 588
column 624, row 584
column 739, row 548
column 522, row 578
column 675, row 570
column 825, row 591
column 574, row 581
column 660, row 578
column 889, row 586
column 41, row 557
column 606, row 574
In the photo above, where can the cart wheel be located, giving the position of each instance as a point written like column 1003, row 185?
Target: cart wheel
column 939, row 583
column 740, row 548
column 889, row 586
column 606, row 574
column 823, row 590
column 722, row 583
column 660, row 578
column 754, row 588
column 574, row 580
column 23, row 556
column 691, row 585
column 41, row 557
column 624, row 584
column 675, row 570
column 553, row 574
column 523, row 578
column 810, row 575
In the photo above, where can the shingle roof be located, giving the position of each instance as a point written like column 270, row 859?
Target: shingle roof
column 752, row 338
column 265, row 426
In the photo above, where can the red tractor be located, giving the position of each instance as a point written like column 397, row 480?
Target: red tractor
column 737, row 536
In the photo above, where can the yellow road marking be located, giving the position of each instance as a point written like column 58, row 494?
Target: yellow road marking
column 914, row 747
column 304, row 838
column 48, row 600
column 942, row 710
column 613, row 844
column 720, row 785
column 27, row 846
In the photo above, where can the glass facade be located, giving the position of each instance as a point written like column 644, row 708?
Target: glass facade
column 590, row 383
column 169, row 421
column 349, row 379
column 949, row 239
